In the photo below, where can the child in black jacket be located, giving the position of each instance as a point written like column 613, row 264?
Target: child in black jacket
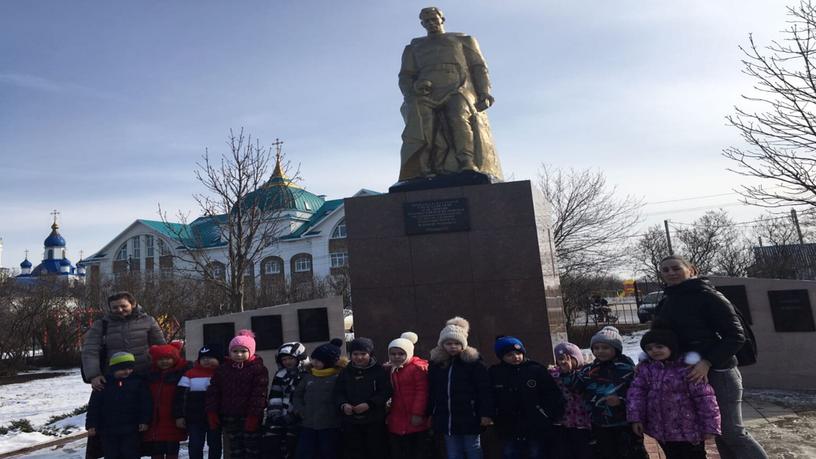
column 460, row 401
column 528, row 402
column 361, row 392
column 121, row 410
column 282, row 427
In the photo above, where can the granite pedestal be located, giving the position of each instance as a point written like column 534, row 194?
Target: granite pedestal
column 499, row 272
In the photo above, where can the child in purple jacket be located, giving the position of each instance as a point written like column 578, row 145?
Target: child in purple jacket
column 664, row 404
column 574, row 428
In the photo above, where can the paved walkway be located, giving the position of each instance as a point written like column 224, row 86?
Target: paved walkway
column 754, row 413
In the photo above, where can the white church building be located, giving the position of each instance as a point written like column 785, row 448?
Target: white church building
column 311, row 240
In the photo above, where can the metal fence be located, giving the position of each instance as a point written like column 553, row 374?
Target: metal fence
column 617, row 311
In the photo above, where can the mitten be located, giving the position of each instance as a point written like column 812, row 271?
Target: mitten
column 213, row 421
column 251, row 423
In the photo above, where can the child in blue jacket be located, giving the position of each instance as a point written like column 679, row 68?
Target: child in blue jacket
column 604, row 384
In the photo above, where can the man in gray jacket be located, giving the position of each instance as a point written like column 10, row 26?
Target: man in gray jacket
column 128, row 329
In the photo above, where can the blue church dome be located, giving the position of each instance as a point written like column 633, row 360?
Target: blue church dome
column 54, row 239
column 65, row 262
column 26, row 264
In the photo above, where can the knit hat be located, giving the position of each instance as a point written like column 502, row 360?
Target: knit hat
column 161, row 351
column 121, row 361
column 212, row 351
column 328, row 353
column 244, row 338
column 292, row 349
column 562, row 349
column 608, row 335
column 361, row 344
column 661, row 333
column 456, row 329
column 505, row 344
column 405, row 342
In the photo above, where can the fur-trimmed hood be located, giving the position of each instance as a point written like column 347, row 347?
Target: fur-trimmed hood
column 440, row 357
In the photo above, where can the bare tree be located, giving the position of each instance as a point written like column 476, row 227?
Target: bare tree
column 647, row 252
column 778, row 122
column 735, row 255
column 246, row 221
column 778, row 229
column 703, row 240
column 591, row 223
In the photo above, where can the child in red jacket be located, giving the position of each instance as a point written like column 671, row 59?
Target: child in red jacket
column 168, row 366
column 407, row 424
column 236, row 397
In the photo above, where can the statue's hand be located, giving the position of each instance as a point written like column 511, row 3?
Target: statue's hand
column 422, row 88
column 484, row 102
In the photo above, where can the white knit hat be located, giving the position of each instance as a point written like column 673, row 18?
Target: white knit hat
column 456, row 329
column 405, row 342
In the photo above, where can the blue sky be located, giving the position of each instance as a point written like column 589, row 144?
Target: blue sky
column 106, row 106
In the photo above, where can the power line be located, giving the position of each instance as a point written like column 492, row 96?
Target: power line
column 691, row 198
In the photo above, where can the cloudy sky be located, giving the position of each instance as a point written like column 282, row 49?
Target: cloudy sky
column 106, row 106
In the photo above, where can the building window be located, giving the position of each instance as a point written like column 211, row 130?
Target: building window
column 122, row 253
column 50, row 254
column 271, row 267
column 163, row 249
column 303, row 264
column 149, row 246
column 339, row 230
column 218, row 270
column 137, row 247
column 339, row 259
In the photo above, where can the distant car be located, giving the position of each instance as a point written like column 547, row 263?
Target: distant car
column 648, row 304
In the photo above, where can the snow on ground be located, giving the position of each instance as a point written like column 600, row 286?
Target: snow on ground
column 631, row 344
column 37, row 401
column 76, row 450
column 788, row 437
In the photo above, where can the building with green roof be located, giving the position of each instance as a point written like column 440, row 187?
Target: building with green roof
column 310, row 243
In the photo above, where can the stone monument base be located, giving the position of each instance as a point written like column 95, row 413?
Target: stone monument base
column 484, row 252
column 465, row 178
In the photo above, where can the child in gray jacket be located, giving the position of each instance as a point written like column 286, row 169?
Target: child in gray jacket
column 313, row 401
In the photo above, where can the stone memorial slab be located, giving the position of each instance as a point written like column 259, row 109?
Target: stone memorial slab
column 791, row 310
column 437, row 216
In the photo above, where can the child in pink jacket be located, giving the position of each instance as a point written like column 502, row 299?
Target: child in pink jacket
column 664, row 404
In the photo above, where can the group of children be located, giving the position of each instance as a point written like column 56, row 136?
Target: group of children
column 328, row 407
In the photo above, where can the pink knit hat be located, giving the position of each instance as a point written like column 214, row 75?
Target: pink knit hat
column 245, row 338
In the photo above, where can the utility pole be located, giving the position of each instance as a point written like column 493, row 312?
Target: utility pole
column 795, row 219
column 668, row 237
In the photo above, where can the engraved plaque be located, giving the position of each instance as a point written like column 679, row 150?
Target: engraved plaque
column 313, row 324
column 219, row 334
column 268, row 332
column 791, row 310
column 440, row 216
column 737, row 295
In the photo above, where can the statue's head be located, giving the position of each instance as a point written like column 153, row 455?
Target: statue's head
column 432, row 19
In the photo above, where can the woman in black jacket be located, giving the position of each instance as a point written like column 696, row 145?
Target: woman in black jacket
column 706, row 323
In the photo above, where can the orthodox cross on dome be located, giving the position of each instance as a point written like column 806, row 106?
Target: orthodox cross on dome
column 55, row 214
column 278, row 144
column 26, row 252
